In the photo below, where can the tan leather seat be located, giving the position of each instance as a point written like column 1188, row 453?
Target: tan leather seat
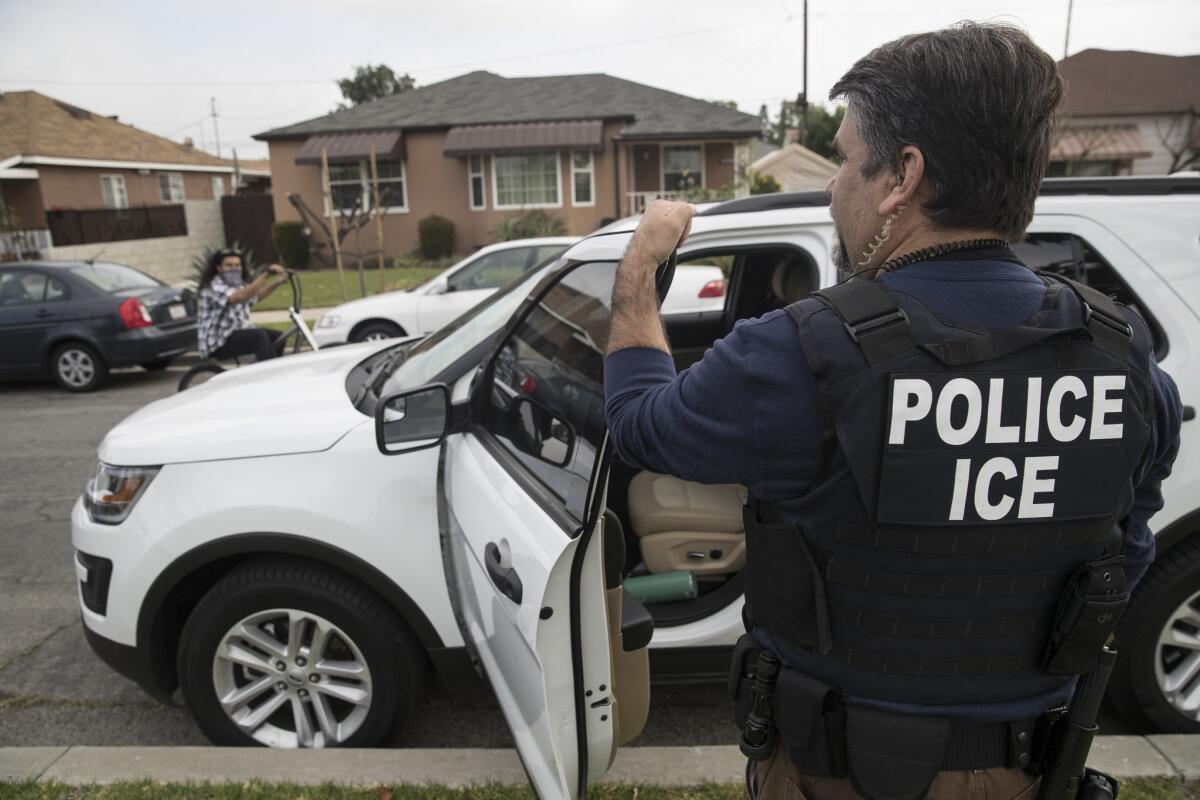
column 791, row 281
column 685, row 525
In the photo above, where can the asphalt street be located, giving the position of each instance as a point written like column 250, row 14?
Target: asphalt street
column 54, row 691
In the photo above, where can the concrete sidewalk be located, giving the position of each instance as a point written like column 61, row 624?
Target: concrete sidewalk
column 1174, row 756
column 260, row 317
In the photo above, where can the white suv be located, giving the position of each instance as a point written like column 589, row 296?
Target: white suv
column 248, row 542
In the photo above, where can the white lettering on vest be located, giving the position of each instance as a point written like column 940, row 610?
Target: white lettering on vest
column 1033, row 409
column 1064, row 431
column 1103, row 405
column 903, row 390
column 997, row 433
column 1032, row 485
column 983, row 484
column 967, row 389
column 962, row 482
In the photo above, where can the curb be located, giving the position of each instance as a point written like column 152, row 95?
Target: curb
column 259, row 317
column 1172, row 756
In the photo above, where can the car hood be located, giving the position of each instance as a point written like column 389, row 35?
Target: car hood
column 295, row 404
column 387, row 303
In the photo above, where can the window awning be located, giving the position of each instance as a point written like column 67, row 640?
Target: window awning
column 526, row 137
column 350, row 147
column 1099, row 143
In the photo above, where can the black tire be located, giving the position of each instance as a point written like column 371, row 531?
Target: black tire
column 376, row 329
column 157, row 366
column 392, row 653
column 199, row 374
column 1172, row 580
column 77, row 367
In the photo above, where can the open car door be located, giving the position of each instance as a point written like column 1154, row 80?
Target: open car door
column 522, row 498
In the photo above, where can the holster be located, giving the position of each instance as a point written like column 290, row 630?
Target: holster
column 1087, row 614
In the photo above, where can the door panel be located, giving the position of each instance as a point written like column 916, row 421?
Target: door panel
column 26, row 320
column 435, row 310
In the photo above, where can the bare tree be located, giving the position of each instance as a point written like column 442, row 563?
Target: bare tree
column 1180, row 138
column 1085, row 141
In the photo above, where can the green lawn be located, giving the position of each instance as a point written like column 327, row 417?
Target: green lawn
column 1132, row 789
column 322, row 288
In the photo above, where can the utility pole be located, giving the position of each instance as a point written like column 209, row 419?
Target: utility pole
column 802, row 100
column 216, row 131
column 1067, row 41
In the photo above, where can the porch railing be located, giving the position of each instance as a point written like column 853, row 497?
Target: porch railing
column 20, row 244
column 639, row 200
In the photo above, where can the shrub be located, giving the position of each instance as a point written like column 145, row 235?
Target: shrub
column 763, row 184
column 201, row 259
column 291, row 243
column 527, row 225
column 436, row 237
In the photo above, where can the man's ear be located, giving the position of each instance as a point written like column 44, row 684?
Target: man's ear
column 906, row 181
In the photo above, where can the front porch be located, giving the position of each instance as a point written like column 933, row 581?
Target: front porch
column 683, row 170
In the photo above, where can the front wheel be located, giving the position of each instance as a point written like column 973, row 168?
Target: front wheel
column 295, row 654
column 201, row 373
column 377, row 331
column 1156, row 681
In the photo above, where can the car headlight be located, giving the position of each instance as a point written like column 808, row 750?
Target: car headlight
column 112, row 492
column 329, row 321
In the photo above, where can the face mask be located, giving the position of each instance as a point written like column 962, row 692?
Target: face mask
column 232, row 278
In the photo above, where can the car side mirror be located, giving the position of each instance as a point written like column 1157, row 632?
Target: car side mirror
column 439, row 287
column 547, row 437
column 412, row 420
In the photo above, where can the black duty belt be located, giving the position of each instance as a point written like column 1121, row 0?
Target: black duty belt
column 993, row 744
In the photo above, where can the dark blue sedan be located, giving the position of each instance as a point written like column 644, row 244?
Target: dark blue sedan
column 75, row 320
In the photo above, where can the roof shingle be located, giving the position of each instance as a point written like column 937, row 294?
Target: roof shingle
column 480, row 98
column 1129, row 82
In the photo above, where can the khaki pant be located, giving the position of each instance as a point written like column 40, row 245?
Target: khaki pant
column 778, row 779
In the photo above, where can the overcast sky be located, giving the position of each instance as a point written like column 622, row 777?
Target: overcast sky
column 270, row 63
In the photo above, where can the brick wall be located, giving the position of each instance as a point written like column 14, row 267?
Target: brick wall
column 168, row 259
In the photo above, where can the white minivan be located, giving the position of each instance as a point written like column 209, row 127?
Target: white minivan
column 250, row 543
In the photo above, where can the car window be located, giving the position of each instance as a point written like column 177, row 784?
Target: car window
column 56, row 290
column 490, row 271
column 547, row 398
column 114, row 278
column 22, row 288
column 545, row 253
column 1073, row 257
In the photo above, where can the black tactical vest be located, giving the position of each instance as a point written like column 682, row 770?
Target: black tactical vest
column 968, row 475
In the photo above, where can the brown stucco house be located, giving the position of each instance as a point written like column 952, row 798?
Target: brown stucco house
column 1128, row 113
column 55, row 156
column 477, row 148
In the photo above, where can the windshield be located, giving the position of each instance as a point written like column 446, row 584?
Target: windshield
column 434, row 355
column 113, row 278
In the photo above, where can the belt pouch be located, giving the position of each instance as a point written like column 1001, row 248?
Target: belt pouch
column 810, row 718
column 742, row 670
column 894, row 756
column 1087, row 614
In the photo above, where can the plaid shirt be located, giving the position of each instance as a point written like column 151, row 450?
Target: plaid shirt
column 218, row 317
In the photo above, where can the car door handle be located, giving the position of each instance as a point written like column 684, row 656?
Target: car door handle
column 1189, row 413
column 505, row 578
column 42, row 313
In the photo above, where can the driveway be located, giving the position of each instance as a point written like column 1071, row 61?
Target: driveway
column 54, row 691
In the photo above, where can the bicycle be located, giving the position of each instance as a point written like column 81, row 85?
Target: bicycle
column 293, row 338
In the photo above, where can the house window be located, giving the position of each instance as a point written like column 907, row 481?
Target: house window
column 170, row 187
column 683, row 167
column 350, row 186
column 218, row 186
column 475, row 182
column 112, row 187
column 583, row 179
column 526, row 181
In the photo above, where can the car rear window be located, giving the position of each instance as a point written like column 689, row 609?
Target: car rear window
column 114, row 278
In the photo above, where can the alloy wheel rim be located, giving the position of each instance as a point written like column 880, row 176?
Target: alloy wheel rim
column 290, row 678
column 1177, row 658
column 375, row 336
column 76, row 367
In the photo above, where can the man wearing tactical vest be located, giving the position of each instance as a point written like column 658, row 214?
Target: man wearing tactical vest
column 951, row 460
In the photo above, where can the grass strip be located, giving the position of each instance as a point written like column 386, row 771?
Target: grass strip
column 322, row 288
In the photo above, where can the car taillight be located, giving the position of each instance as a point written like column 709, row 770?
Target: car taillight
column 134, row 314
column 713, row 288
column 528, row 384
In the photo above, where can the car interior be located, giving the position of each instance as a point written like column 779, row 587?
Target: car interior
column 684, row 542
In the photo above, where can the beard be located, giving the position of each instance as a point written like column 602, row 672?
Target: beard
column 841, row 257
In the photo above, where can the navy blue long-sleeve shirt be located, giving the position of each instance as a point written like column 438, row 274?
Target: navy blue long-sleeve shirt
column 748, row 412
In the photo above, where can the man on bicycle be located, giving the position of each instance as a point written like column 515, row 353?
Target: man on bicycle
column 226, row 294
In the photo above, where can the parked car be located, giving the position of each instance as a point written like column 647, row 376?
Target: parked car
column 696, row 289
column 76, row 320
column 429, row 306
column 304, row 600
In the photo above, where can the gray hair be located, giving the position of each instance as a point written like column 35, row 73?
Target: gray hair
column 979, row 101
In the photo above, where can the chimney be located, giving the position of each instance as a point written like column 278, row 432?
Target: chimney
column 188, row 144
column 113, row 117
